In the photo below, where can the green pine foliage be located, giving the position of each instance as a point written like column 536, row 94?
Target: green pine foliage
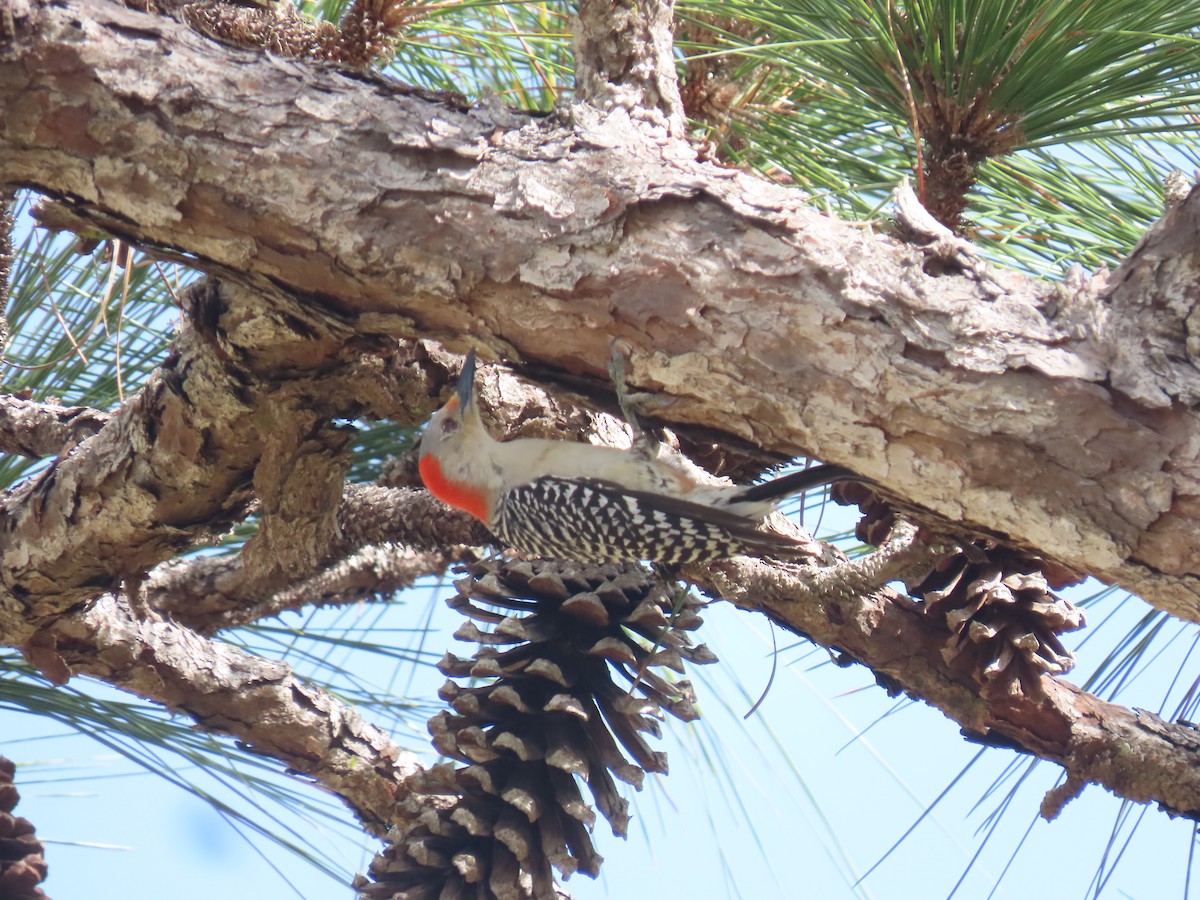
column 1042, row 129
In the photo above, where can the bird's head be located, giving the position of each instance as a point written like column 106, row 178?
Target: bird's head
column 453, row 446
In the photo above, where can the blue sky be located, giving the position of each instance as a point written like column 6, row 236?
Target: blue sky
column 830, row 772
column 825, row 798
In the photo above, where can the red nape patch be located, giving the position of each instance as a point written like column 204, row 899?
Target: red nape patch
column 456, row 495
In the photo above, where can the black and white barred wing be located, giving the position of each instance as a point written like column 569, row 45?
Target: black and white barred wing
column 589, row 520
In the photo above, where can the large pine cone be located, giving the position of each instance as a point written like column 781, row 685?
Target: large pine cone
column 542, row 715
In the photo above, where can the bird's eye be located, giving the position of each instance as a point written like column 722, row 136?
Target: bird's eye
column 449, row 426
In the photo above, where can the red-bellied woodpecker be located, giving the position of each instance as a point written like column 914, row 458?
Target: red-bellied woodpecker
column 570, row 501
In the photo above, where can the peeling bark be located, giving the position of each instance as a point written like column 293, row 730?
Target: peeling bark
column 176, row 465
column 1012, row 405
column 342, row 211
column 232, row 692
column 1133, row 753
column 38, row 430
column 625, row 59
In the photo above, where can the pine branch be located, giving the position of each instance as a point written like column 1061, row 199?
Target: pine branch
column 1133, row 753
column 210, row 594
column 226, row 690
column 174, row 467
column 1015, row 386
column 38, row 430
column 625, row 59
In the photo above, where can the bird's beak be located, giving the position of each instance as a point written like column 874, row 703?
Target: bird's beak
column 466, row 381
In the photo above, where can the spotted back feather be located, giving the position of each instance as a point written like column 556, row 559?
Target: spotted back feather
column 589, row 520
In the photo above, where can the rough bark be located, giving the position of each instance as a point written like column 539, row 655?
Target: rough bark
column 225, row 417
column 625, row 59
column 38, row 430
column 343, row 211
column 1053, row 414
column 1133, row 753
column 241, row 411
column 210, row 594
column 229, row 691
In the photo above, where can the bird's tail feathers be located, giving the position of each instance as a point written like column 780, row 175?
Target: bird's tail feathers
column 796, row 482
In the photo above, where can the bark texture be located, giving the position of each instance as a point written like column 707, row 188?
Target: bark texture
column 231, row 692
column 220, row 422
column 1134, row 753
column 1060, row 415
column 339, row 212
column 37, row 430
column 625, row 59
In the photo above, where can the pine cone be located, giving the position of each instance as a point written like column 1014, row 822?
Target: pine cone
column 542, row 713
column 367, row 31
column 1003, row 618
column 22, row 856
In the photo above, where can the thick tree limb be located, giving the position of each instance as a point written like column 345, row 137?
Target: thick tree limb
column 1133, row 753
column 172, row 466
column 990, row 402
column 176, row 465
column 38, row 430
column 625, row 59
column 228, row 691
